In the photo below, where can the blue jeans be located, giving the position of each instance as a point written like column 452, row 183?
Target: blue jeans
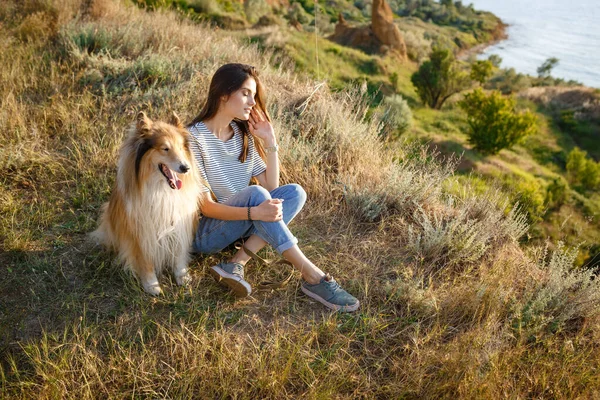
column 213, row 235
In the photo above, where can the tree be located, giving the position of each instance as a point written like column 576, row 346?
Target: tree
column 439, row 78
column 494, row 122
column 545, row 69
column 481, row 70
column 495, row 59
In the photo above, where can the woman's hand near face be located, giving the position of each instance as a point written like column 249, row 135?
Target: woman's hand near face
column 270, row 210
column 261, row 128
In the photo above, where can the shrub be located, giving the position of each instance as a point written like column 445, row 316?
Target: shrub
column 495, row 59
column 494, row 122
column 395, row 115
column 37, row 26
column 416, row 180
column 417, row 46
column 582, row 171
column 530, row 194
column 463, row 237
column 481, row 70
column 566, row 120
column 197, row 6
column 255, row 9
column 94, row 40
column 297, row 13
column 557, row 192
column 394, row 80
column 448, row 242
column 509, row 81
column 205, row 6
column 563, row 296
column 590, row 208
column 545, row 69
column 439, row 78
column 590, row 178
column 151, row 70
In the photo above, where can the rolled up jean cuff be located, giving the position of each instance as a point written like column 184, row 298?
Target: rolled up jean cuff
column 286, row 246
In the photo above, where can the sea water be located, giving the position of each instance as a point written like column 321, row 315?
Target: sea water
column 540, row 29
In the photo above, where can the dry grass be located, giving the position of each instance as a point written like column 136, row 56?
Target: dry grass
column 451, row 305
column 584, row 100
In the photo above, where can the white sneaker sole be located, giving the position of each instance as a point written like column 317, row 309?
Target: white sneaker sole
column 240, row 287
column 335, row 307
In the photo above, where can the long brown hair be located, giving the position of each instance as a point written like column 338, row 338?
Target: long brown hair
column 228, row 79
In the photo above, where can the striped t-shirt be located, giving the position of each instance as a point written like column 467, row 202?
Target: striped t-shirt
column 218, row 161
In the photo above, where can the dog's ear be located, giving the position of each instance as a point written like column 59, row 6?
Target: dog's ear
column 175, row 121
column 143, row 124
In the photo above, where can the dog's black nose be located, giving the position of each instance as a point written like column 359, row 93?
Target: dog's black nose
column 184, row 168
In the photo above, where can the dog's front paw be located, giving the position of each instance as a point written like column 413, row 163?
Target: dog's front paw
column 184, row 279
column 153, row 289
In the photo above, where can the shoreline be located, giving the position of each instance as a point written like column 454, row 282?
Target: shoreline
column 465, row 54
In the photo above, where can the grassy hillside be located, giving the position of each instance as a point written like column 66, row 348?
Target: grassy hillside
column 525, row 173
column 452, row 305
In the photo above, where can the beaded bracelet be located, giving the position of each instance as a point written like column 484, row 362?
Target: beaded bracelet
column 249, row 219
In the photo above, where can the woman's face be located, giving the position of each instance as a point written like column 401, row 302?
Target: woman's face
column 240, row 102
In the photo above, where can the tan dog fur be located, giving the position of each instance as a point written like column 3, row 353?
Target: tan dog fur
column 149, row 221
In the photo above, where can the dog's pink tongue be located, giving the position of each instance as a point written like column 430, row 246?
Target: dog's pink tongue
column 175, row 181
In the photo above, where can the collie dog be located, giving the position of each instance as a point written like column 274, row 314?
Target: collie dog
column 152, row 213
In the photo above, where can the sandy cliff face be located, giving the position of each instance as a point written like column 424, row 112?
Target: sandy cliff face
column 360, row 37
column 382, row 36
column 382, row 25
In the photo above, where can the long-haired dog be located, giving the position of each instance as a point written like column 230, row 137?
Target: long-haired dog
column 152, row 213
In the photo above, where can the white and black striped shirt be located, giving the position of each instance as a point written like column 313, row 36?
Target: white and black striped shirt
column 218, row 161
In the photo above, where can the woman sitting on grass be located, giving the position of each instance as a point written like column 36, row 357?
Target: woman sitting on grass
column 234, row 141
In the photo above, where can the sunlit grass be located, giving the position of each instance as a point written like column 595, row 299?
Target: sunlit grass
column 445, row 287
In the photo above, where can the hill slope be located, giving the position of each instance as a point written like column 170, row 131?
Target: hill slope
column 452, row 306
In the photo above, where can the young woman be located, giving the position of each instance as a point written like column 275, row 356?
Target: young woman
column 233, row 141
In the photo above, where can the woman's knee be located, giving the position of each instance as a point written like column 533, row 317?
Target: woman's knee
column 297, row 192
column 294, row 196
column 257, row 194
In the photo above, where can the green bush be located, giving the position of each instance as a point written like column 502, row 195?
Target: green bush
column 582, row 171
column 394, row 80
column 494, row 122
column 509, row 81
column 495, row 59
column 563, row 297
column 418, row 46
column 481, row 70
column 204, row 6
column 255, row 9
column 395, row 115
column 566, row 120
column 297, row 13
column 557, row 192
column 531, row 196
column 439, row 78
column 464, row 18
column 546, row 68
column 94, row 40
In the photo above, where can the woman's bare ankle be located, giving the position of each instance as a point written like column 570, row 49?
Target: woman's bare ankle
column 238, row 259
column 313, row 278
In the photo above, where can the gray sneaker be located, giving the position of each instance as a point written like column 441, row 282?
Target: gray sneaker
column 232, row 276
column 330, row 293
